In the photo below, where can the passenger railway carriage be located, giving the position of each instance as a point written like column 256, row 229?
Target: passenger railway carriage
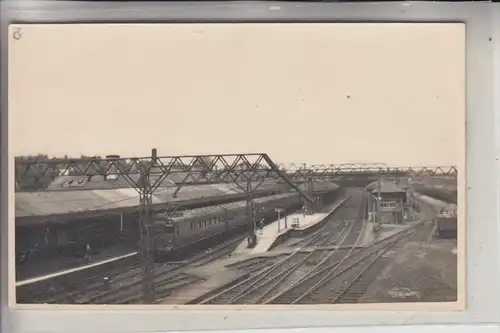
column 173, row 232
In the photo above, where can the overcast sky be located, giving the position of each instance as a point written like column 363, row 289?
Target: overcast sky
column 315, row 93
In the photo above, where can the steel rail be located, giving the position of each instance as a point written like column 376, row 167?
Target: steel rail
column 331, row 274
column 282, row 277
column 311, row 272
column 360, row 274
column 332, row 267
column 257, row 277
column 290, row 270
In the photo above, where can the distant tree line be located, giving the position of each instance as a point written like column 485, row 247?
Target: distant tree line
column 26, row 179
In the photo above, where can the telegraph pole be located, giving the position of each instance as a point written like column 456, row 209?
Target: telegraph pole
column 310, row 190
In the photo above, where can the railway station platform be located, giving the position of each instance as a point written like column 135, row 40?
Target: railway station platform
column 59, row 264
column 269, row 233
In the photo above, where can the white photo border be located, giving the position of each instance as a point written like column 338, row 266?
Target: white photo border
column 482, row 170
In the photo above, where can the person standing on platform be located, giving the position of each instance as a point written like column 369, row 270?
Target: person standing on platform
column 88, row 252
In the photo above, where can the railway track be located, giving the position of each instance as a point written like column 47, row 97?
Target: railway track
column 67, row 291
column 330, row 281
column 166, row 280
column 260, row 287
column 254, row 264
column 123, row 285
column 163, row 289
column 228, row 296
column 357, row 287
column 327, row 234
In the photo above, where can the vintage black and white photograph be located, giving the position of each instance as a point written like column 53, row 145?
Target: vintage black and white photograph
column 237, row 164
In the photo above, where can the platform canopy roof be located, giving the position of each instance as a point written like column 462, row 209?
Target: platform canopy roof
column 60, row 201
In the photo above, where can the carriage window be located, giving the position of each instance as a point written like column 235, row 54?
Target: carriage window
column 388, row 204
column 205, row 222
column 169, row 229
column 200, row 224
column 177, row 229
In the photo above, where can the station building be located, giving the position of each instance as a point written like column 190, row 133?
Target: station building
column 387, row 203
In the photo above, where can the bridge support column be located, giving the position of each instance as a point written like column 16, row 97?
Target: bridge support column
column 251, row 216
column 309, row 207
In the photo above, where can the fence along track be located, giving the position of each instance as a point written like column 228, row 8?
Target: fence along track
column 307, row 286
column 253, row 289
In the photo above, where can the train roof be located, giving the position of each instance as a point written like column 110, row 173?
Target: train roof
column 192, row 213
